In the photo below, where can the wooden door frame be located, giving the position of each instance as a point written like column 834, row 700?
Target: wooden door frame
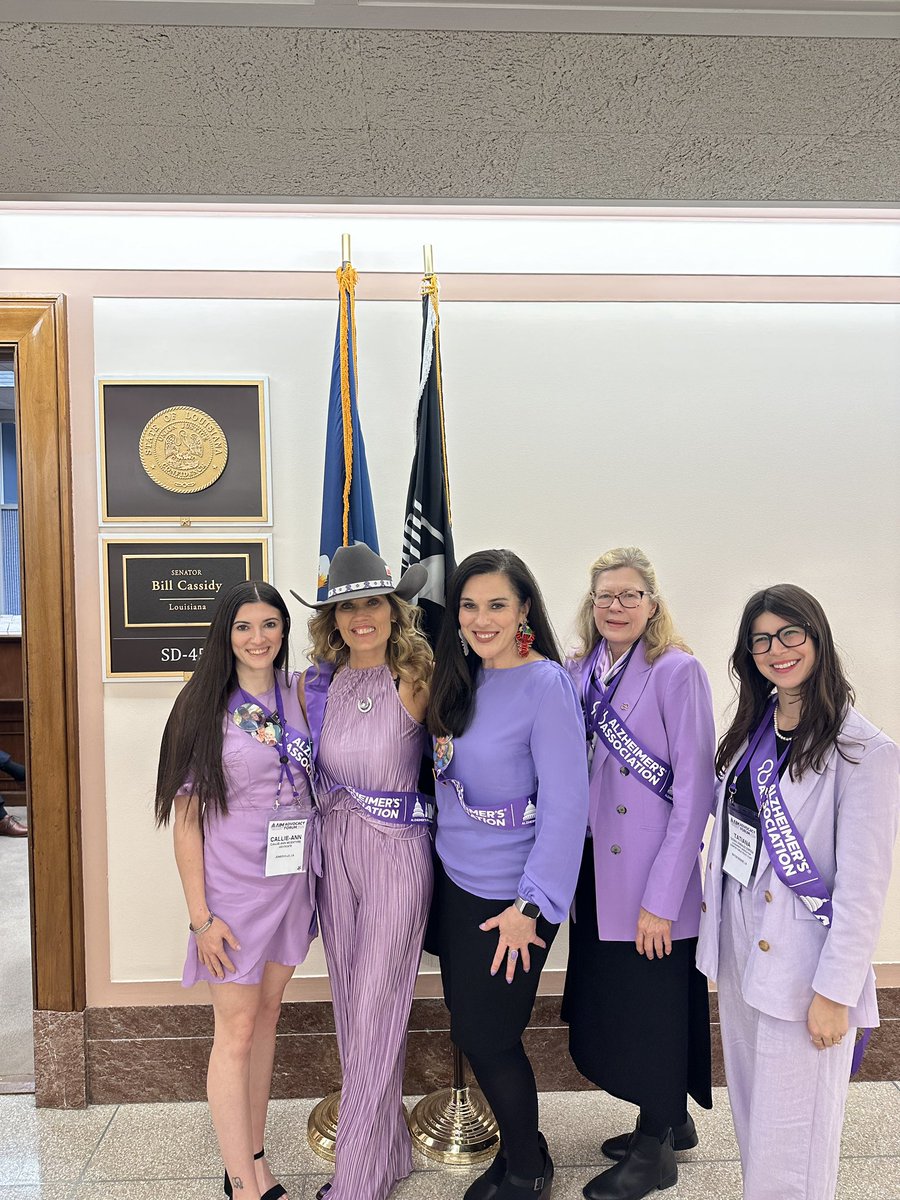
column 35, row 326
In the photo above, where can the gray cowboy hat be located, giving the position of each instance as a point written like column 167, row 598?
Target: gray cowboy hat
column 358, row 571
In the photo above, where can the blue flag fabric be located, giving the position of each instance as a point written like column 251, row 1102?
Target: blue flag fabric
column 348, row 514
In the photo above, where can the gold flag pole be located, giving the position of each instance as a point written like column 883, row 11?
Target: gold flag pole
column 454, row 1125
column 321, row 1126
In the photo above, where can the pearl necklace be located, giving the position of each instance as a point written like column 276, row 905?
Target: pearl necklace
column 785, row 737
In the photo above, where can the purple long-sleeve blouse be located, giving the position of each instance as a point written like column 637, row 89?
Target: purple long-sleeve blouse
column 526, row 737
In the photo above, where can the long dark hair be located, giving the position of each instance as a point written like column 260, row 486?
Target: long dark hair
column 827, row 694
column 191, row 748
column 452, row 702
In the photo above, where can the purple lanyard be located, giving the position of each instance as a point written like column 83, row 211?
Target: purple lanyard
column 792, row 862
column 297, row 747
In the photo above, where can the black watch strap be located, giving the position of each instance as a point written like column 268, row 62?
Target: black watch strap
column 526, row 908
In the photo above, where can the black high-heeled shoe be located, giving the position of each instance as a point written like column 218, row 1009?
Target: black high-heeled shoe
column 274, row 1193
column 514, row 1187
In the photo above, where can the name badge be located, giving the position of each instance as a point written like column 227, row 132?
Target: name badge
column 743, row 849
column 286, row 846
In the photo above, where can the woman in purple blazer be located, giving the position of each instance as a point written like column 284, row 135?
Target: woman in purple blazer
column 637, row 1007
column 798, row 871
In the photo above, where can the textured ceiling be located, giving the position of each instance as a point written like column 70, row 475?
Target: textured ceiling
column 205, row 111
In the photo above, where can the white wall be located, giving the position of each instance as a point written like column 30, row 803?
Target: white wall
column 738, row 444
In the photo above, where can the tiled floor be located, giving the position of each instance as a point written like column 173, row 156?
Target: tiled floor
column 151, row 1151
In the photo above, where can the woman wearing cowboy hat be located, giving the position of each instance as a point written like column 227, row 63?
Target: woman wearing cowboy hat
column 365, row 697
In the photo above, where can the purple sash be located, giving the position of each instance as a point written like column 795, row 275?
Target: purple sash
column 291, row 743
column 393, row 808
column 515, row 814
column 650, row 770
column 787, row 851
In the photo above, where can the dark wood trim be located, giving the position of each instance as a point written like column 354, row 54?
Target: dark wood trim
column 36, row 328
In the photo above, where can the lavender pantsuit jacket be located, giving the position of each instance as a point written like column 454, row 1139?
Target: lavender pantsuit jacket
column 848, row 815
column 646, row 850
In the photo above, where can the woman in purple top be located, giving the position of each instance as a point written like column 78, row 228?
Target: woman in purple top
column 365, row 699
column 637, row 1007
column 793, row 904
column 232, row 770
column 511, row 793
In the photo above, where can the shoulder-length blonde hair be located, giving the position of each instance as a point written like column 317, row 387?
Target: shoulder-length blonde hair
column 660, row 633
column 408, row 653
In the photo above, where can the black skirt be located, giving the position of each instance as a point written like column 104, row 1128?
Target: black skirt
column 638, row 1027
column 486, row 1013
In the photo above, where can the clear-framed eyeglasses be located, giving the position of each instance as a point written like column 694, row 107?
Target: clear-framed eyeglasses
column 789, row 636
column 630, row 598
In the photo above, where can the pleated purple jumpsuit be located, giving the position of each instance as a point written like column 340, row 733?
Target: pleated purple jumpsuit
column 373, row 901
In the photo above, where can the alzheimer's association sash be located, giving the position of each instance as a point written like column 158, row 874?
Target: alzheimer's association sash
column 393, row 808
column 649, row 769
column 792, row 862
column 515, row 814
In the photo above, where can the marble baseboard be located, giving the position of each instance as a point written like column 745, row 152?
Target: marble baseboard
column 160, row 1053
column 60, row 1078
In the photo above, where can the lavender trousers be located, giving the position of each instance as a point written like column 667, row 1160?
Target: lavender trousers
column 787, row 1098
column 373, row 901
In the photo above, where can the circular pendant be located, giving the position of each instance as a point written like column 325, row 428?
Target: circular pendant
column 365, row 706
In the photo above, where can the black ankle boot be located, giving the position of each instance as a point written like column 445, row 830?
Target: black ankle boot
column 649, row 1164
column 486, row 1185
column 514, row 1187
column 685, row 1139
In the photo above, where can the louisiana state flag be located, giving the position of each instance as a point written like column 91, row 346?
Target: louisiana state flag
column 348, row 514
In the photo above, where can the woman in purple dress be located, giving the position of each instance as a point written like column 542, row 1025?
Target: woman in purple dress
column 365, row 699
column 233, row 771
column 512, row 797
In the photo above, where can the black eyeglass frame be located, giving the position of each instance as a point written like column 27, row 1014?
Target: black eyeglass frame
column 777, row 634
column 617, row 596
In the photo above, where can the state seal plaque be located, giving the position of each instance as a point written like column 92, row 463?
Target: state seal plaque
column 183, row 449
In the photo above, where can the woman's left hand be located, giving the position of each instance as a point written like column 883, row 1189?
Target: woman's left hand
column 517, row 933
column 827, row 1022
column 654, row 935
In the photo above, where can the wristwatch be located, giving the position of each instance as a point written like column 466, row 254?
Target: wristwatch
column 526, row 908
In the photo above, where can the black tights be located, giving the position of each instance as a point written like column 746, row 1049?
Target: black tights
column 507, row 1080
column 656, row 1124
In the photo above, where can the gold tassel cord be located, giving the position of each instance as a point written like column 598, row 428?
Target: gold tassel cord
column 430, row 289
column 346, row 277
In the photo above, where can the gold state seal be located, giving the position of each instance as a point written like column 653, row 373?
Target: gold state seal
column 183, row 449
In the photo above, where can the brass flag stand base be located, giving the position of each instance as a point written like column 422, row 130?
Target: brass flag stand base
column 321, row 1128
column 455, row 1125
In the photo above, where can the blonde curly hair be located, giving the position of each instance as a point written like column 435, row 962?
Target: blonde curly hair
column 407, row 654
column 660, row 633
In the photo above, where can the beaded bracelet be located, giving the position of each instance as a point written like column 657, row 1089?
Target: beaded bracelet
column 202, row 928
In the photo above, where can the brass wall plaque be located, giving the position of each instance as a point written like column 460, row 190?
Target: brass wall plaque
column 183, row 449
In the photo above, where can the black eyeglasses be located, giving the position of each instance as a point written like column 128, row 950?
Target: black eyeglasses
column 630, row 598
column 789, row 636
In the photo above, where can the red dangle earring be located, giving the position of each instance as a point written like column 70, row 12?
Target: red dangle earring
column 524, row 638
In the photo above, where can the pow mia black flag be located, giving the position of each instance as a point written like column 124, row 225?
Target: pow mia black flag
column 427, row 533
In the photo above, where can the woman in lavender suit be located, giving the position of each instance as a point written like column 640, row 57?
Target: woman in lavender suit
column 794, row 902
column 511, row 790
column 637, row 1007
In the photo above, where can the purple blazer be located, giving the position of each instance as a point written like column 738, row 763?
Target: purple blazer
column 848, row 814
column 646, row 850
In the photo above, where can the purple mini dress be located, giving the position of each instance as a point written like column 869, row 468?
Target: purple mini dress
column 272, row 917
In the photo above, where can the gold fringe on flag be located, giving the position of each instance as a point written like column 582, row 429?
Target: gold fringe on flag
column 430, row 288
column 346, row 277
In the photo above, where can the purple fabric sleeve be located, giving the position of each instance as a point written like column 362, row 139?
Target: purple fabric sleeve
column 687, row 715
